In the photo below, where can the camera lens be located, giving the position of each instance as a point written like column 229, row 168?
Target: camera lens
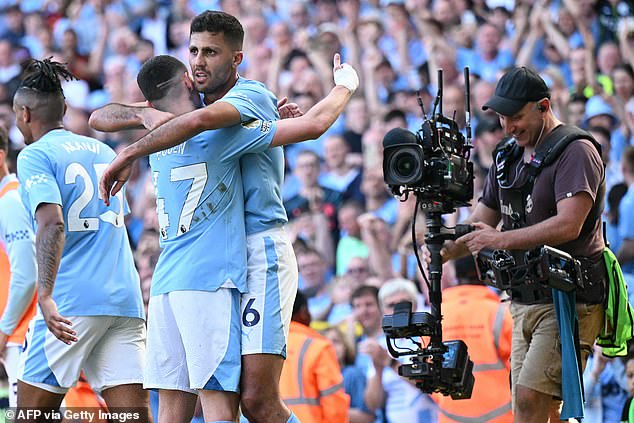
column 406, row 165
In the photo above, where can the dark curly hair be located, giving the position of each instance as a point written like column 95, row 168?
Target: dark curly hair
column 44, row 75
column 40, row 89
column 219, row 23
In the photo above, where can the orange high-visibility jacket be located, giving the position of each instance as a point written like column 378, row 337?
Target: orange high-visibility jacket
column 19, row 333
column 475, row 314
column 311, row 384
column 82, row 397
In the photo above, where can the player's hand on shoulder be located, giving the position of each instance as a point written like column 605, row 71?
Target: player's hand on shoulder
column 153, row 118
column 345, row 74
column 58, row 325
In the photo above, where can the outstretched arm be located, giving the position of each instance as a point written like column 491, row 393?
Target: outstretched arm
column 323, row 114
column 117, row 117
column 217, row 115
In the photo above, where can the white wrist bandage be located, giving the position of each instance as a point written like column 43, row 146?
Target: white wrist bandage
column 347, row 76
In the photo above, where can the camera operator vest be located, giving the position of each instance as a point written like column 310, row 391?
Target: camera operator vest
column 516, row 201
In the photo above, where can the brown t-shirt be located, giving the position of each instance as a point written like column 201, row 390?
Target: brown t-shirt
column 577, row 169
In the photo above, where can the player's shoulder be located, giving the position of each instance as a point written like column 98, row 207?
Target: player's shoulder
column 32, row 153
column 250, row 86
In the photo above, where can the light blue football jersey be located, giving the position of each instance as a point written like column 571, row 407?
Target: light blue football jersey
column 96, row 274
column 200, row 205
column 263, row 173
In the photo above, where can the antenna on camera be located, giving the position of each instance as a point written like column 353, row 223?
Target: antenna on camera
column 439, row 97
column 467, row 104
column 420, row 104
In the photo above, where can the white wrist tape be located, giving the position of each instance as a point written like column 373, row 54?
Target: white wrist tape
column 347, row 76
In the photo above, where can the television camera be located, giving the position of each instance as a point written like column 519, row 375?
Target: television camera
column 504, row 269
column 434, row 165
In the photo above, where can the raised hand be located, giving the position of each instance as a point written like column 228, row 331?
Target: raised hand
column 345, row 74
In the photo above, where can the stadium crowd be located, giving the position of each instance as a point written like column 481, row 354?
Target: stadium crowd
column 352, row 239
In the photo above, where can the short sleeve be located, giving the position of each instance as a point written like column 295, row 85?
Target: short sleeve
column 37, row 180
column 254, row 137
column 579, row 169
column 252, row 102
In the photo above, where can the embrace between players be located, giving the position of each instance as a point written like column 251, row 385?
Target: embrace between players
column 221, row 218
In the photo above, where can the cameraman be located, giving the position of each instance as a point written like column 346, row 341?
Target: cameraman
column 563, row 209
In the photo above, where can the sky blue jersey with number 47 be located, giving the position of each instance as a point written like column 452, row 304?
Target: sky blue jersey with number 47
column 200, row 199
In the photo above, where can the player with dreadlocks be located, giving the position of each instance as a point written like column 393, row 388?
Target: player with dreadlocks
column 91, row 314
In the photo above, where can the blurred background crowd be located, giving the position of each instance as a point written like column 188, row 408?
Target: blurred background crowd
column 352, row 238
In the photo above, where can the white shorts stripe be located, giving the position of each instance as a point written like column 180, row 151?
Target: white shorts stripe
column 272, row 285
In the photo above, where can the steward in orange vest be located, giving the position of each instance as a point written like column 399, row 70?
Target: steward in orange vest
column 311, row 383
column 474, row 313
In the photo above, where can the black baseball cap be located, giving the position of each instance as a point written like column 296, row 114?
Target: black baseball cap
column 516, row 88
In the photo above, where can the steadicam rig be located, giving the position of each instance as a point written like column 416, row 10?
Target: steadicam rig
column 434, row 165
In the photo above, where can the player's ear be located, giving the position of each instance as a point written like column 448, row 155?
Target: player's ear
column 187, row 79
column 237, row 58
column 26, row 116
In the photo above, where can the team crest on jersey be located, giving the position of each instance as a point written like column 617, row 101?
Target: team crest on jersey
column 252, row 124
column 266, row 126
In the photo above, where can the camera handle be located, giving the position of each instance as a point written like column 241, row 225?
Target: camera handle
column 436, row 235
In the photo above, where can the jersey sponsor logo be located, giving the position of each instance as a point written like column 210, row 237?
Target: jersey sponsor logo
column 17, row 236
column 35, row 180
column 73, row 146
column 179, row 149
column 506, row 209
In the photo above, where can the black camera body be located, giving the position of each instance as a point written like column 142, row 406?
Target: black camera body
column 433, row 163
column 549, row 266
column 453, row 377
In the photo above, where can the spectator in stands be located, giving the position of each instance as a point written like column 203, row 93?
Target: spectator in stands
column 313, row 282
column 312, row 195
column 350, row 244
column 340, row 173
column 605, row 388
column 354, row 379
column 625, row 253
column 386, row 389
